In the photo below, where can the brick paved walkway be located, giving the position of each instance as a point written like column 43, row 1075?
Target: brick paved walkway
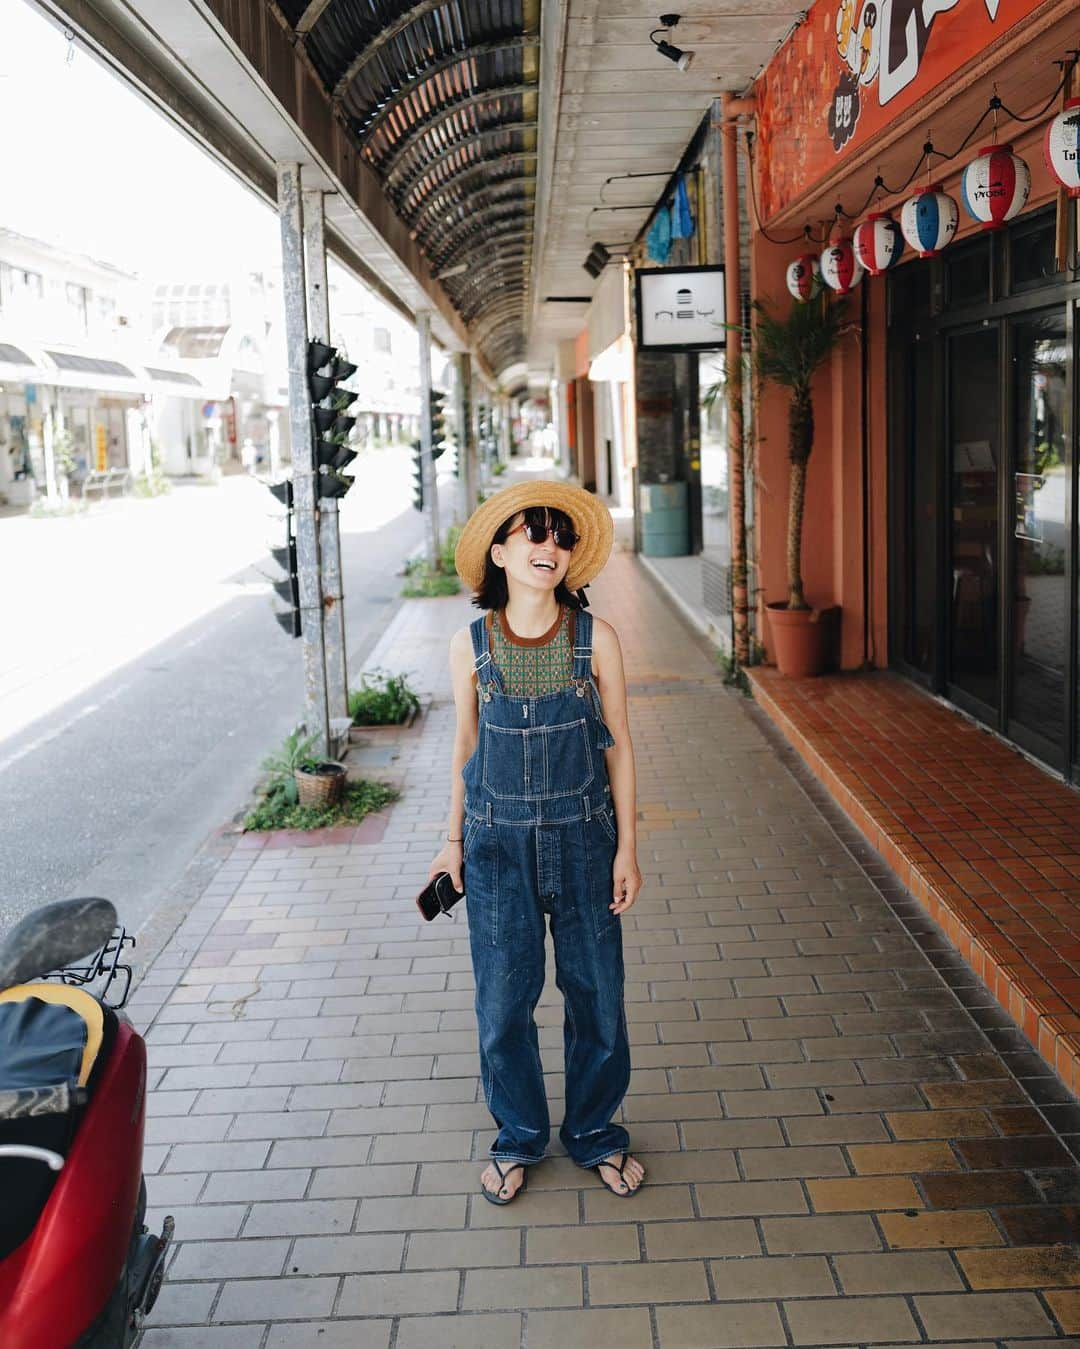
column 847, row 1142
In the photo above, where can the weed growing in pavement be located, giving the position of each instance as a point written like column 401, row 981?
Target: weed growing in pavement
column 734, row 674
column 275, row 811
column 382, row 700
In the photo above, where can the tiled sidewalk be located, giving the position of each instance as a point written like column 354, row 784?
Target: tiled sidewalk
column 847, row 1142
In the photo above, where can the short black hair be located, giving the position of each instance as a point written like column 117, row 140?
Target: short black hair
column 494, row 592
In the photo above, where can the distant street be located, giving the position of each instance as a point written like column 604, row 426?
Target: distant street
column 143, row 678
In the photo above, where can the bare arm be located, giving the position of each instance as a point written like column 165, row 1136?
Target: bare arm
column 461, row 674
column 611, row 683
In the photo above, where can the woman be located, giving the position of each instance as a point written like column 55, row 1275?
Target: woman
column 542, row 825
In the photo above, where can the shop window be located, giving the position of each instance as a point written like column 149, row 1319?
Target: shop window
column 909, row 293
column 967, row 274
column 78, row 301
column 1031, row 253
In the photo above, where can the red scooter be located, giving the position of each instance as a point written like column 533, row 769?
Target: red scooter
column 78, row 1268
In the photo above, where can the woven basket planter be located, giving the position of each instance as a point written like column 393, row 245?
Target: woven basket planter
column 321, row 786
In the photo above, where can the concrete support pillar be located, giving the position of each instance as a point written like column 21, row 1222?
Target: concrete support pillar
column 318, row 305
column 431, row 495
column 466, row 438
column 290, row 214
column 48, row 431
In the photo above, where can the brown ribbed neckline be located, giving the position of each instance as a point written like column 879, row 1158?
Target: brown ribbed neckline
column 543, row 640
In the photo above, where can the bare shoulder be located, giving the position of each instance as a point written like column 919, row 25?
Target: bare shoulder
column 461, row 647
column 605, row 638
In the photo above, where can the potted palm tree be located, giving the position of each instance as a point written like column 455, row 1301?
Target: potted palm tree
column 789, row 352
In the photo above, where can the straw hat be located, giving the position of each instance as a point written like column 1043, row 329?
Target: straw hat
column 590, row 517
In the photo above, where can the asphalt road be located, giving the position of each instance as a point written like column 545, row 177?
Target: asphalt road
column 113, row 791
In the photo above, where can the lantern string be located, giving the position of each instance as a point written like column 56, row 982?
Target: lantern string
column 804, row 233
column 1034, row 117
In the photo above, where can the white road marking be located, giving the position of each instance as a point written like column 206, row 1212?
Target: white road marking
column 58, row 731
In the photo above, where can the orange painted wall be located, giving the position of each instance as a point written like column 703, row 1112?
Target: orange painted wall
column 833, row 528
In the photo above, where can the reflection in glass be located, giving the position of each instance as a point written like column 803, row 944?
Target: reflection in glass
column 974, row 451
column 1040, row 486
column 922, row 510
column 715, row 522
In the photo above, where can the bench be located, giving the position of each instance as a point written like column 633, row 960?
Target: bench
column 102, row 481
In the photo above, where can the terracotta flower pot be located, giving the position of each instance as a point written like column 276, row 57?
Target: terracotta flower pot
column 800, row 640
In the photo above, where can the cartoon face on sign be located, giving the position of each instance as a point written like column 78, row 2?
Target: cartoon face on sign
column 857, row 38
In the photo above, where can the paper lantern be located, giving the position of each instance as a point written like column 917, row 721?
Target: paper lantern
column 840, row 268
column 1061, row 146
column 804, row 277
column 928, row 220
column 995, row 186
column 878, row 243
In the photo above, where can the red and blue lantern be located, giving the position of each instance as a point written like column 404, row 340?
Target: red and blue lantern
column 995, row 186
column 841, row 270
column 804, row 277
column 1061, row 146
column 929, row 220
column 878, row 243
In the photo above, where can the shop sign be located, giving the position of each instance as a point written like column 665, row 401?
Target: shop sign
column 851, row 69
column 680, row 308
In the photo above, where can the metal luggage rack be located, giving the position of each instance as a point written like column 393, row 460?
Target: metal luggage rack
column 102, row 970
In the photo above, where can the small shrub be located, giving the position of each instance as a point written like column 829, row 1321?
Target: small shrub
column 274, row 811
column 294, row 752
column 382, row 700
column 498, row 468
column 423, row 583
column 153, row 484
column 450, row 544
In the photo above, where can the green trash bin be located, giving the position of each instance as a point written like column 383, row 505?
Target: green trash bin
column 665, row 522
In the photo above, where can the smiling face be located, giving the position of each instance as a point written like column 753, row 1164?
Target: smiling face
column 538, row 566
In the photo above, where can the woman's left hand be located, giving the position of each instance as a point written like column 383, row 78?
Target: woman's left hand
column 626, row 879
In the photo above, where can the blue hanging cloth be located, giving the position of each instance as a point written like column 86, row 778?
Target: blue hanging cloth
column 658, row 238
column 682, row 219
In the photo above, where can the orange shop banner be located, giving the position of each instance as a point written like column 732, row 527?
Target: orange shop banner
column 851, row 69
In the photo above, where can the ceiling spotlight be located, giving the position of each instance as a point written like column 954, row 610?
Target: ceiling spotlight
column 682, row 59
column 597, row 260
column 447, row 272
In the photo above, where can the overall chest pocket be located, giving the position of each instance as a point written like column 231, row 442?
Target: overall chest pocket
column 542, row 761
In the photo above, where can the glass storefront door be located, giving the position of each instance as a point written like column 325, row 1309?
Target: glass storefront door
column 974, row 457
column 1038, row 615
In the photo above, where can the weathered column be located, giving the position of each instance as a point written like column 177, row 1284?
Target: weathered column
column 733, row 365
column 290, row 214
column 318, row 305
column 427, row 462
column 466, row 438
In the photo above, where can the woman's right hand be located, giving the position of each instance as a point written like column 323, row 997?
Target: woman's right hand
column 449, row 859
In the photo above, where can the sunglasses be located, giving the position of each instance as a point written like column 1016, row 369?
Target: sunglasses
column 565, row 539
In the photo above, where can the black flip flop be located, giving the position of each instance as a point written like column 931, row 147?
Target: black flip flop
column 494, row 1198
column 629, row 1192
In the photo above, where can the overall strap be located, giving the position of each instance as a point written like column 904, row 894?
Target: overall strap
column 583, row 628
column 487, row 672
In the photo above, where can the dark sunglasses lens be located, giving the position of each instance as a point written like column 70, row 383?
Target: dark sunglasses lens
column 564, row 538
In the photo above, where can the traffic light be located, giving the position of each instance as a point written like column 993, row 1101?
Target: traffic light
column 438, row 422
column 288, row 587
column 418, row 476
column 329, row 410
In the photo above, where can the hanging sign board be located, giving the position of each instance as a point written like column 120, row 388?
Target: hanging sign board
column 680, row 308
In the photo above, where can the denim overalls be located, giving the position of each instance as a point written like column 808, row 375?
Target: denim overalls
column 539, row 841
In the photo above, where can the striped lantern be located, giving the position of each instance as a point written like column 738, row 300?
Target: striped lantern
column 1061, row 146
column 878, row 243
column 804, row 277
column 929, row 220
column 841, row 270
column 995, row 186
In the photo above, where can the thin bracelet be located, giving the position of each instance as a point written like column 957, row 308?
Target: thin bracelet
column 455, row 840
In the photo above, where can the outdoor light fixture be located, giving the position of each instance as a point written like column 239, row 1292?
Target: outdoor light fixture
column 682, row 59
column 597, row 260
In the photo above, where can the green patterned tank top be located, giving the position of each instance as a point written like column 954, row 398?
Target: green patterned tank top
column 531, row 666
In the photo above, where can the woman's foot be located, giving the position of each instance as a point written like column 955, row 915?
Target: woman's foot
column 501, row 1184
column 621, row 1173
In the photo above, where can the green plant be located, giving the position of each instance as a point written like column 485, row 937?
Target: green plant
column 382, row 700
column 153, row 484
column 498, row 468
column 424, row 583
column 64, row 452
column 449, row 547
column 789, row 352
column 281, row 766
column 275, row 811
